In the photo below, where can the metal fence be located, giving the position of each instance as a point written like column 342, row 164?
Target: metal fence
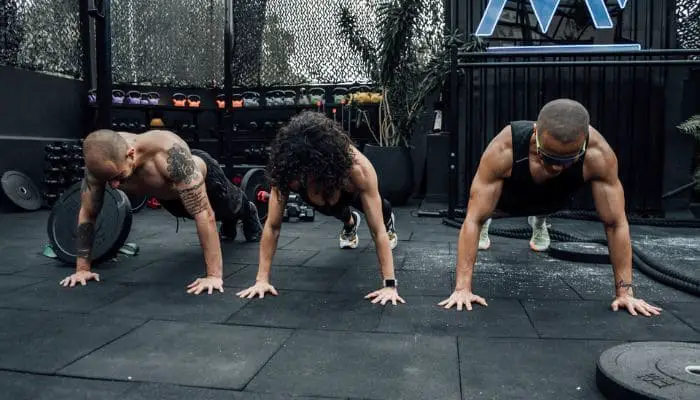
column 628, row 100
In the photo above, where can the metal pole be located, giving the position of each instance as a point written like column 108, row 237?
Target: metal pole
column 87, row 55
column 520, row 64
column 103, row 33
column 453, row 121
column 637, row 53
column 228, row 54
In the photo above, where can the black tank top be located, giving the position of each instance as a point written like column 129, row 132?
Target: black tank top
column 327, row 209
column 521, row 196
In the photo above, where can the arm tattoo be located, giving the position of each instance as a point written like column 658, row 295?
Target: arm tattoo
column 194, row 200
column 622, row 284
column 86, row 235
column 181, row 166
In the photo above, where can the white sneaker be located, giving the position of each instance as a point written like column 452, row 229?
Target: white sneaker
column 348, row 238
column 484, row 241
column 540, row 235
column 391, row 231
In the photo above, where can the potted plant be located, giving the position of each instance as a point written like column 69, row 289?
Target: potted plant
column 692, row 127
column 411, row 62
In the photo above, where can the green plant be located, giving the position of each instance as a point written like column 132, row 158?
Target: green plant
column 691, row 126
column 405, row 65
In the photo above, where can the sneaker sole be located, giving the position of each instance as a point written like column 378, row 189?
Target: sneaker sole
column 538, row 248
column 350, row 245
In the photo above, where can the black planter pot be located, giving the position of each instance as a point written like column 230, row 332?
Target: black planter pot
column 394, row 166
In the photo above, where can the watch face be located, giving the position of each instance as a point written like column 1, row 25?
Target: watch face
column 390, row 282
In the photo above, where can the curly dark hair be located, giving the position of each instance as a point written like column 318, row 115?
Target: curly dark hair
column 310, row 144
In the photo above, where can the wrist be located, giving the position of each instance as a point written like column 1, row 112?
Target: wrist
column 623, row 288
column 390, row 283
column 463, row 284
column 82, row 265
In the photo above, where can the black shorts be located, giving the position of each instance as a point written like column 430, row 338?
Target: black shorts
column 342, row 209
column 226, row 199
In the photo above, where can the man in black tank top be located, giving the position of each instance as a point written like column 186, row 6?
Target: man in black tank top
column 522, row 196
column 533, row 168
column 315, row 158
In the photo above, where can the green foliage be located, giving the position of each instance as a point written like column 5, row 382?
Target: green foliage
column 404, row 65
column 691, row 126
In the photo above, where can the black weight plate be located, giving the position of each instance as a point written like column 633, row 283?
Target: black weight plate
column 650, row 370
column 254, row 181
column 585, row 252
column 18, row 189
column 137, row 203
column 111, row 228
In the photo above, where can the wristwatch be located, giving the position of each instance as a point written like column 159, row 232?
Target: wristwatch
column 390, row 283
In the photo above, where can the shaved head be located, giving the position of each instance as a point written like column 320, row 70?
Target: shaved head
column 105, row 152
column 565, row 120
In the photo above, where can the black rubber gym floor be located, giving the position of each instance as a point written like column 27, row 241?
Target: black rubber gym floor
column 138, row 335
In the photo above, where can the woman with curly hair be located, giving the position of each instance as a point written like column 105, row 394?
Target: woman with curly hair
column 314, row 157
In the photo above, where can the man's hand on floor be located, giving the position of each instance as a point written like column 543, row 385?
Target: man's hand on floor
column 259, row 289
column 461, row 298
column 634, row 305
column 209, row 283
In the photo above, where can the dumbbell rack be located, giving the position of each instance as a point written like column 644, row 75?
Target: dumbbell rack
column 63, row 167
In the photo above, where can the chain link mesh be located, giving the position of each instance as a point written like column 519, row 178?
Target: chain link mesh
column 688, row 13
column 180, row 43
column 276, row 42
column 41, row 35
column 301, row 42
column 177, row 43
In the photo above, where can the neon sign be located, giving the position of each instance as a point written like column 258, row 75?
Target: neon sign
column 544, row 12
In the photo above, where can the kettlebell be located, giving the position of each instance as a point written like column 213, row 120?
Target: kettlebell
column 316, row 95
column 340, row 95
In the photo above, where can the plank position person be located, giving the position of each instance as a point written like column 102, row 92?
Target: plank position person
column 313, row 157
column 534, row 168
column 188, row 183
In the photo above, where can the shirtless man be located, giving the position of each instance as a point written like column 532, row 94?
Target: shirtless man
column 313, row 157
column 534, row 168
column 188, row 184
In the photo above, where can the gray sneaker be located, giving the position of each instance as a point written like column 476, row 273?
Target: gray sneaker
column 391, row 231
column 348, row 235
column 540, row 235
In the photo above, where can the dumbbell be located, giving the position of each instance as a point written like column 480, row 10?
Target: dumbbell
column 54, row 182
column 53, row 158
column 50, row 198
column 53, row 148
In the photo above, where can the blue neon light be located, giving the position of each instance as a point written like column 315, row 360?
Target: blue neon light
column 570, row 48
column 544, row 12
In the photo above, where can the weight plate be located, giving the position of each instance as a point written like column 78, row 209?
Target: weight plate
column 19, row 190
column 137, row 203
column 650, row 370
column 592, row 253
column 111, row 228
column 253, row 182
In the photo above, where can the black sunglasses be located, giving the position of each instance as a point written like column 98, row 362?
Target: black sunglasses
column 556, row 160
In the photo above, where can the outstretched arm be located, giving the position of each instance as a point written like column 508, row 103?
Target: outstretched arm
column 368, row 184
column 609, row 198
column 91, row 199
column 268, row 247
column 189, row 183
column 483, row 198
